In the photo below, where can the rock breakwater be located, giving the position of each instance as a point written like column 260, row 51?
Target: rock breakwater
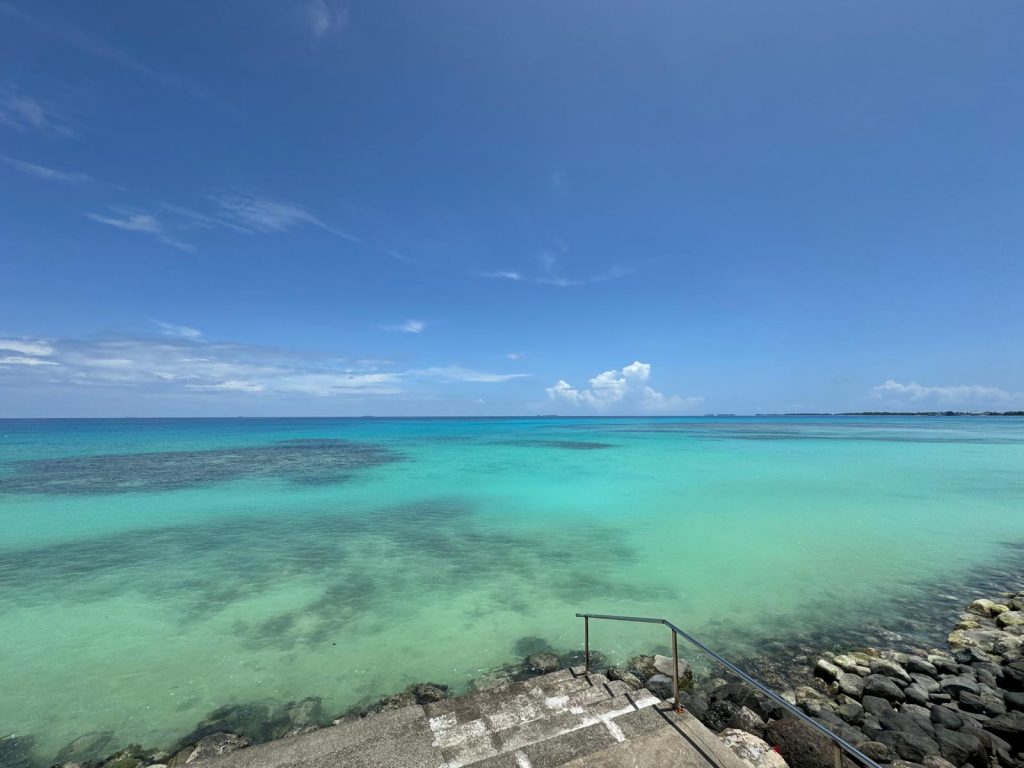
column 959, row 706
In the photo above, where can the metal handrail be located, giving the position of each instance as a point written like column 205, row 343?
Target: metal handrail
column 839, row 744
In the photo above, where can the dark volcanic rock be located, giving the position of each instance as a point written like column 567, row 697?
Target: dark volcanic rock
column 916, row 694
column 1013, row 676
column 720, row 714
column 876, row 705
column 970, row 655
column 908, row 745
column 885, row 687
column 889, row 669
column 970, row 702
column 744, row 696
column 1014, row 700
column 1010, row 727
column 852, row 685
column 851, row 712
column 957, row 684
column 946, row 717
column 921, row 666
column 960, row 747
column 907, row 723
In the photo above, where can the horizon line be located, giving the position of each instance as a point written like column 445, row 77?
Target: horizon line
column 370, row 417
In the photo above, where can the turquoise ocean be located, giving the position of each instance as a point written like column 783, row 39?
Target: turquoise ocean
column 152, row 571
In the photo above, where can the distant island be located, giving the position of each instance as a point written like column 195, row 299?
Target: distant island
column 935, row 413
column 891, row 413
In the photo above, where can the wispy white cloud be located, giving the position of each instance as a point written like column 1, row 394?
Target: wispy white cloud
column 44, row 173
column 23, row 360
column 625, row 388
column 132, row 221
column 233, row 211
column 326, row 17
column 515, row 355
column 180, row 331
column 551, row 274
column 959, row 394
column 184, row 361
column 258, row 214
column 24, row 114
column 409, row 326
column 561, row 282
column 25, row 352
column 458, row 373
column 26, row 347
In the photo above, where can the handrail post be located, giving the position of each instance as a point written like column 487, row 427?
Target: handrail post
column 586, row 644
column 839, row 744
column 675, row 669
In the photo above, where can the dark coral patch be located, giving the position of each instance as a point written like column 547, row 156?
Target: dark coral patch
column 306, row 462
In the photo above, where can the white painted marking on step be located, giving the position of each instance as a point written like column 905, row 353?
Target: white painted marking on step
column 460, row 734
column 522, row 760
column 614, row 730
column 442, row 722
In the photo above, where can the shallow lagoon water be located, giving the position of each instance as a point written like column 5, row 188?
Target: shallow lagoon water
column 154, row 570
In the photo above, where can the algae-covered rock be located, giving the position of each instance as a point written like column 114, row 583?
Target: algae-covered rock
column 541, row 663
column 643, row 667
column 1011, row 619
column 87, row 748
column 663, row 664
column 16, row 751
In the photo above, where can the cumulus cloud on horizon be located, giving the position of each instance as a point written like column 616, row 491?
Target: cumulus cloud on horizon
column 959, row 394
column 624, row 388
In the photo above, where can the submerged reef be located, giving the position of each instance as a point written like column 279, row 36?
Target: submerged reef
column 567, row 445
column 304, row 462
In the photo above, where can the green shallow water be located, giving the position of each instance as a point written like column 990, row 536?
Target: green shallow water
column 151, row 571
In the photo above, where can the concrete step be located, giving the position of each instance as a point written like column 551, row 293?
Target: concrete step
column 573, row 720
column 400, row 737
column 595, row 709
column 665, row 739
column 492, row 701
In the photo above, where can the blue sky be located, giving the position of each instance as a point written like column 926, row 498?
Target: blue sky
column 339, row 207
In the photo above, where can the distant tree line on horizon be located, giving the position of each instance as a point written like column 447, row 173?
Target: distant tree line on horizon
column 905, row 413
